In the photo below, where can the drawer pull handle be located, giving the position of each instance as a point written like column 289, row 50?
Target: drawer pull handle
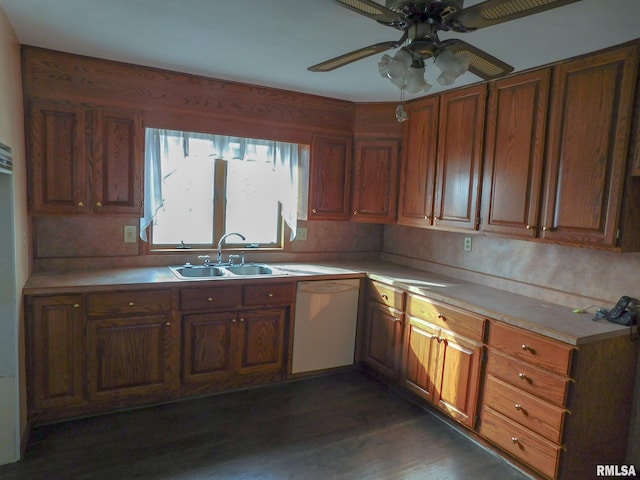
column 517, row 406
column 76, row 305
column 209, row 299
column 131, row 304
column 522, row 376
column 514, row 439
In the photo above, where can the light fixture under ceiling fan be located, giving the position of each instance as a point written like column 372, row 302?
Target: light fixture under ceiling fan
column 420, row 21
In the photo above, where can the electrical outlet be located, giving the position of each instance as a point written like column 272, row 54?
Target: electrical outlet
column 130, row 234
column 467, row 244
column 301, row 234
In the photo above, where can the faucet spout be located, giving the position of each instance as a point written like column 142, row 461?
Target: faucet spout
column 221, row 241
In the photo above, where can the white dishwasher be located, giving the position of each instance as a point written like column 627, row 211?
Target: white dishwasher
column 324, row 333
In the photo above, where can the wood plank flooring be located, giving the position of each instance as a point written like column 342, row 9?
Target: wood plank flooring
column 345, row 426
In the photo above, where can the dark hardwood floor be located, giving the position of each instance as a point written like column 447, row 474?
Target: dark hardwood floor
column 346, row 426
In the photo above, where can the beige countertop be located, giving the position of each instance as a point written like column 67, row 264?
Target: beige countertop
column 555, row 321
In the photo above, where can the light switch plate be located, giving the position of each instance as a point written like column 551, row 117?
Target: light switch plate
column 130, row 234
column 467, row 244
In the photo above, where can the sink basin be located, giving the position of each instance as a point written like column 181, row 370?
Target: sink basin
column 250, row 269
column 199, row 271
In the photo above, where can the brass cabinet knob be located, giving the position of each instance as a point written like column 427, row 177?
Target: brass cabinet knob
column 168, row 324
column 76, row 305
column 517, row 406
column 233, row 320
column 525, row 347
column 355, row 212
column 209, row 299
column 131, row 304
column 313, row 210
column 242, row 319
column 81, row 204
column 530, row 227
column 98, row 204
column 270, row 295
column 522, row 376
column 442, row 317
column 514, row 439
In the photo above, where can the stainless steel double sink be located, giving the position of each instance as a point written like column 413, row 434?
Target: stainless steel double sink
column 224, row 270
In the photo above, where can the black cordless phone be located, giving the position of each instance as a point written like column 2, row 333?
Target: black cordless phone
column 620, row 314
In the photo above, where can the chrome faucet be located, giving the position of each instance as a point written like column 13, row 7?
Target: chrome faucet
column 224, row 237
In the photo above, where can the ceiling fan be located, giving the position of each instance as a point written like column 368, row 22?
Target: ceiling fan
column 421, row 21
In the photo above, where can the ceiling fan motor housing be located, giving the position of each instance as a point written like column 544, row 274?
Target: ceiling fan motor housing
column 409, row 8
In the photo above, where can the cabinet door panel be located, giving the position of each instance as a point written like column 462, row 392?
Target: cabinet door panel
column 207, row 346
column 383, row 339
column 459, row 157
column 514, row 154
column 587, row 147
column 420, row 358
column 260, row 343
column 330, row 178
column 375, row 181
column 417, row 178
column 57, row 150
column 118, row 162
column 458, row 378
column 55, row 352
column 129, row 356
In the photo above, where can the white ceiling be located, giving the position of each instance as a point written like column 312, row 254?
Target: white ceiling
column 272, row 42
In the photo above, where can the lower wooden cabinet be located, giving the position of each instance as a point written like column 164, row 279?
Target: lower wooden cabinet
column 55, row 352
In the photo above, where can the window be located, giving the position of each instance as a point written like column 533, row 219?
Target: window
column 199, row 187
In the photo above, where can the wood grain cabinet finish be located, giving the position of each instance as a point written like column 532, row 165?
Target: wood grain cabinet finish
column 514, row 154
column 382, row 332
column 55, row 352
column 375, row 180
column 459, row 158
column 417, row 173
column 330, row 168
column 84, row 159
column 555, row 407
column 261, row 340
column 440, row 364
column 590, row 118
column 57, row 150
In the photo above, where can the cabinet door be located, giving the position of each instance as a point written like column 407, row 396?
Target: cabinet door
column 375, row 181
column 207, row 347
column 57, row 150
column 420, row 358
column 330, row 178
column 55, row 352
column 512, row 178
column 118, row 162
column 383, row 339
column 590, row 117
column 130, row 357
column 458, row 377
column 417, row 176
column 260, row 340
column 460, row 146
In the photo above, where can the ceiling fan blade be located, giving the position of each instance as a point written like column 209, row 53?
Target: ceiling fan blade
column 352, row 56
column 493, row 12
column 481, row 63
column 373, row 10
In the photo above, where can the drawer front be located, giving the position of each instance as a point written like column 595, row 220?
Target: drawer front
column 529, row 411
column 532, row 449
column 128, row 303
column 533, row 348
column 529, row 378
column 387, row 295
column 275, row 293
column 448, row 318
column 211, row 298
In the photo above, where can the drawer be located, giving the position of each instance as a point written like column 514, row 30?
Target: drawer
column 523, row 444
column 531, row 412
column 210, row 298
column 531, row 347
column 275, row 293
column 539, row 382
column 128, row 303
column 446, row 317
column 387, row 295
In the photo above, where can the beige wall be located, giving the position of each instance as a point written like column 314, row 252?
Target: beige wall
column 12, row 387
column 571, row 276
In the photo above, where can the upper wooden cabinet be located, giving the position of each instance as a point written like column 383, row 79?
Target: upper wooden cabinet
column 375, row 180
column 587, row 150
column 459, row 158
column 72, row 147
column 417, row 175
column 514, row 149
column 330, row 178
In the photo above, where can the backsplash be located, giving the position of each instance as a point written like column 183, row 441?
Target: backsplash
column 572, row 276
